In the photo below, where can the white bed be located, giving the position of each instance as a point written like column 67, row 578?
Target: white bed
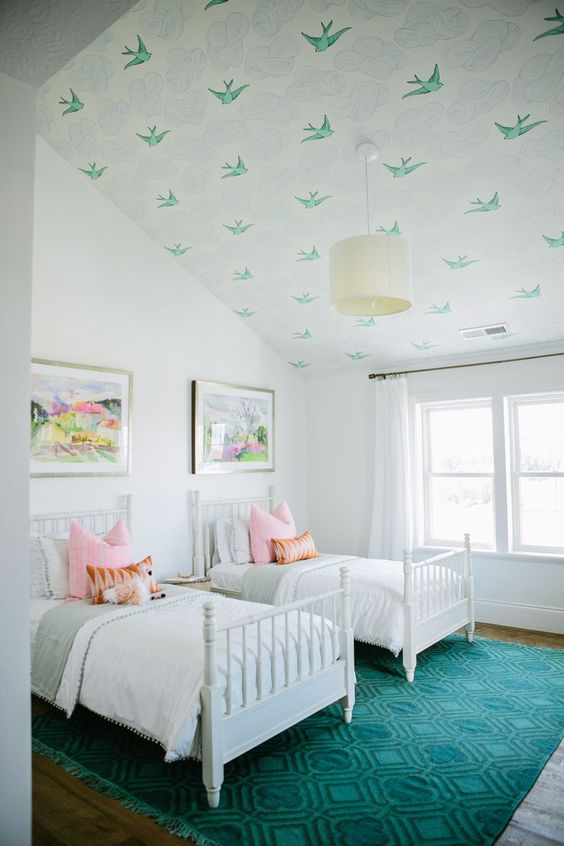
column 209, row 679
column 404, row 606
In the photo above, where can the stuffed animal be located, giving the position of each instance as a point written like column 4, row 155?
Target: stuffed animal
column 131, row 592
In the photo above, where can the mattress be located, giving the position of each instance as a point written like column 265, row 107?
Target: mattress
column 228, row 576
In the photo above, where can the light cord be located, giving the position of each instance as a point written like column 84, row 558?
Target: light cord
column 366, row 189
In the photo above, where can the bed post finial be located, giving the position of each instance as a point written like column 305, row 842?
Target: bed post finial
column 212, row 711
column 409, row 648
column 408, row 573
column 198, row 562
column 469, row 589
column 347, row 645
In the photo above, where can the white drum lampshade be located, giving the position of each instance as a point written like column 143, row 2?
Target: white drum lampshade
column 370, row 275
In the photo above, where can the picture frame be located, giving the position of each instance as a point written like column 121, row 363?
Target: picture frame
column 232, row 428
column 80, row 421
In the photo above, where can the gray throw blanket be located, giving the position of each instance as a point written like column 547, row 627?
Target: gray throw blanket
column 53, row 642
column 261, row 581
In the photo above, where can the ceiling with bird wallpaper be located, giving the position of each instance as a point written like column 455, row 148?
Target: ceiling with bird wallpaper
column 228, row 132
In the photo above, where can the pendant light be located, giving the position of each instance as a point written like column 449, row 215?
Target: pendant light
column 370, row 274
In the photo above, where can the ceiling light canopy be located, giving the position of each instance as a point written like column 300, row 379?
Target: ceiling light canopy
column 370, row 274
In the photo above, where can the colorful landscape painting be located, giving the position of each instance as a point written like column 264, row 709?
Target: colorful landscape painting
column 233, row 428
column 79, row 420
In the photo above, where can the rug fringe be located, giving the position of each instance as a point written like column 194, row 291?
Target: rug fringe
column 172, row 824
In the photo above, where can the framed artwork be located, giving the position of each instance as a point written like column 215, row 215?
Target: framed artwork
column 232, row 428
column 80, row 420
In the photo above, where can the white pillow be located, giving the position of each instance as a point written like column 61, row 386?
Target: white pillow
column 240, row 542
column 232, row 541
column 222, row 533
column 56, row 557
column 38, row 568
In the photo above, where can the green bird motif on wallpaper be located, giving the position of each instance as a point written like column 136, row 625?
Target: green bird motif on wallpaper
column 167, row 201
column 92, row 172
column 302, row 336
column 241, row 275
column 365, row 322
column 460, row 262
column 491, row 205
column 523, row 294
column 324, row 131
column 554, row 242
column 74, row 104
column 245, row 312
column 404, row 168
column 313, row 200
column 423, row 346
column 305, row 298
column 557, row 30
column 177, row 250
column 446, row 309
column 394, row 231
column 239, row 227
column 432, row 84
column 324, row 41
column 140, row 55
column 228, row 95
column 519, row 129
column 214, row 3
column 299, row 364
column 313, row 255
column 152, row 140
column 357, row 356
column 235, row 170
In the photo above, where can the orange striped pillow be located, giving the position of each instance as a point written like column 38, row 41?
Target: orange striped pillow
column 289, row 550
column 102, row 578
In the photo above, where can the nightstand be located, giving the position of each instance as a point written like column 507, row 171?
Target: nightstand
column 202, row 583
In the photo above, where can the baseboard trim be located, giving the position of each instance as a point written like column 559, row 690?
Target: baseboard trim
column 536, row 617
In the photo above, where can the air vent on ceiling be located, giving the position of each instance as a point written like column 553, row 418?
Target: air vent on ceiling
column 484, row 331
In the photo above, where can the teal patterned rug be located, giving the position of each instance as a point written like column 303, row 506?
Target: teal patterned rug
column 443, row 761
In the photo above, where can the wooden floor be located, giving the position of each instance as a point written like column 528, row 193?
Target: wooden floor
column 66, row 813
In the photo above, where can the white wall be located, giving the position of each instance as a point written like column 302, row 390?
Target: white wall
column 17, row 142
column 512, row 590
column 104, row 294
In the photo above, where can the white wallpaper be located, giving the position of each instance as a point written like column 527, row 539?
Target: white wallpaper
column 228, row 132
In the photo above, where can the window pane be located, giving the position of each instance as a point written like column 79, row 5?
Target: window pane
column 462, row 505
column 541, row 436
column 461, row 440
column 542, row 512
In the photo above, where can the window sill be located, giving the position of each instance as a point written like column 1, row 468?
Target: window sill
column 537, row 557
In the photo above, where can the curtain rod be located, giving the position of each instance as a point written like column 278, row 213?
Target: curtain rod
column 457, row 366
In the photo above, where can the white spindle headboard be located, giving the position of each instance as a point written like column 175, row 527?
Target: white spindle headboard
column 204, row 516
column 99, row 521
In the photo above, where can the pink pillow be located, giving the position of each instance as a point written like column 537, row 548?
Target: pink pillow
column 114, row 550
column 264, row 526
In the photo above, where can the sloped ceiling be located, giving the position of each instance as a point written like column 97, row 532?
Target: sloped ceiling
column 480, row 198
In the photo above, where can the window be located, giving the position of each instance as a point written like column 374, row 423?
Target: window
column 537, row 470
column 495, row 469
column 459, row 473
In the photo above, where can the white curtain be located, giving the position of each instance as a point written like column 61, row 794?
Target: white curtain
column 391, row 525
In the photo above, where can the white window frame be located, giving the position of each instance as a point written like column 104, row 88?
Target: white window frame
column 512, row 404
column 427, row 474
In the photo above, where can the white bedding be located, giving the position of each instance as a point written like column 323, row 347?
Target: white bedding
column 145, row 670
column 229, row 576
column 376, row 593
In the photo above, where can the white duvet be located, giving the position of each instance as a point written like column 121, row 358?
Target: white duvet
column 145, row 670
column 376, row 593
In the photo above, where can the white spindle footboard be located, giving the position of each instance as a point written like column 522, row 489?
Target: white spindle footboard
column 270, row 671
column 438, row 598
